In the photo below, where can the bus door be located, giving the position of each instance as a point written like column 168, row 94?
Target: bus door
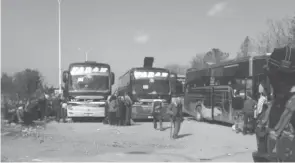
column 221, row 107
column 195, row 96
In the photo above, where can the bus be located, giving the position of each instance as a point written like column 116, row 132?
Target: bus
column 87, row 87
column 217, row 93
column 145, row 85
column 177, row 84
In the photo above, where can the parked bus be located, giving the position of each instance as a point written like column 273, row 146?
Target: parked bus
column 87, row 86
column 177, row 85
column 144, row 85
column 218, row 93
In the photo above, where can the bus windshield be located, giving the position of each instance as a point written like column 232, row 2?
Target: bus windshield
column 89, row 77
column 90, row 82
column 151, row 86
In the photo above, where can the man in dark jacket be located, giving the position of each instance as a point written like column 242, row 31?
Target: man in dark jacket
column 158, row 114
column 128, row 113
column 120, row 114
column 248, row 110
column 175, row 111
column 56, row 104
column 112, row 109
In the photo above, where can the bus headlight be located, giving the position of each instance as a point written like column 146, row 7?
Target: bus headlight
column 64, row 105
column 69, row 107
column 137, row 103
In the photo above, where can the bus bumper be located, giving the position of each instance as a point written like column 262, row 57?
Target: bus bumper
column 98, row 112
column 145, row 112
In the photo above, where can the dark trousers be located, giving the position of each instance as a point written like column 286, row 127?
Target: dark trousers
column 61, row 114
column 248, row 122
column 122, row 116
column 177, row 124
column 43, row 109
column 128, row 116
column 157, row 118
column 112, row 118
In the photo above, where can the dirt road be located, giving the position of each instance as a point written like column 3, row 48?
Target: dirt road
column 98, row 142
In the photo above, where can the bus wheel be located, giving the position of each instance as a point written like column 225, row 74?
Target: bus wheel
column 198, row 113
column 74, row 120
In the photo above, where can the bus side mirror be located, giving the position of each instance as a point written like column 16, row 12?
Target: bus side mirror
column 65, row 76
column 112, row 78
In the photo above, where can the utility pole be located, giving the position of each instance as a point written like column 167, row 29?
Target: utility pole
column 59, row 46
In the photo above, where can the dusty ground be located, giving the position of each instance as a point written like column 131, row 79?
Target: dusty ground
column 98, row 142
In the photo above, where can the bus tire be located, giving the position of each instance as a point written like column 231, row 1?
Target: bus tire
column 74, row 120
column 198, row 113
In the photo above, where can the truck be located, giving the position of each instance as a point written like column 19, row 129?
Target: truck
column 87, row 86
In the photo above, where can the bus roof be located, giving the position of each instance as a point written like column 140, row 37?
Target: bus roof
column 89, row 63
column 229, row 62
column 144, row 68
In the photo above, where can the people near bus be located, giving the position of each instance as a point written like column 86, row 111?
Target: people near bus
column 128, row 104
column 42, row 102
column 158, row 114
column 56, row 104
column 112, row 109
column 120, row 113
column 248, row 110
column 275, row 132
column 175, row 111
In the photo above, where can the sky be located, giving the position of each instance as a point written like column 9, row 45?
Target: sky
column 123, row 32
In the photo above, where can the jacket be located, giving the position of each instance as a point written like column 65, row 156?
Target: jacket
column 113, row 106
column 175, row 110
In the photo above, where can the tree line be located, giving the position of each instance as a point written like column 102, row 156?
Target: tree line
column 279, row 33
column 25, row 84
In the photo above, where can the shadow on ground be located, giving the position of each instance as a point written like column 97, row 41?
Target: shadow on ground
column 183, row 135
column 210, row 122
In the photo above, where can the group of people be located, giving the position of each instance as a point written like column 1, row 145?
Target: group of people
column 275, row 129
column 251, row 111
column 26, row 110
column 174, row 111
column 118, row 110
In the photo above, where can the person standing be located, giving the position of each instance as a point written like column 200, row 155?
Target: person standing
column 120, row 111
column 175, row 111
column 248, row 113
column 158, row 114
column 56, row 103
column 112, row 109
column 261, row 102
column 128, row 110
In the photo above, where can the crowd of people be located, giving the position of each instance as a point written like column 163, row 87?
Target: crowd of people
column 26, row 110
column 251, row 111
column 119, row 110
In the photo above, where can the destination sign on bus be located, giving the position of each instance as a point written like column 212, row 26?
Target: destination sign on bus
column 84, row 70
column 149, row 74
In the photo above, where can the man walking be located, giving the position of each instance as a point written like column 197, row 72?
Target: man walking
column 175, row 111
column 158, row 114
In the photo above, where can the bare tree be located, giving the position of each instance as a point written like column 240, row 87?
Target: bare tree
column 280, row 33
column 215, row 55
column 176, row 68
column 198, row 61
